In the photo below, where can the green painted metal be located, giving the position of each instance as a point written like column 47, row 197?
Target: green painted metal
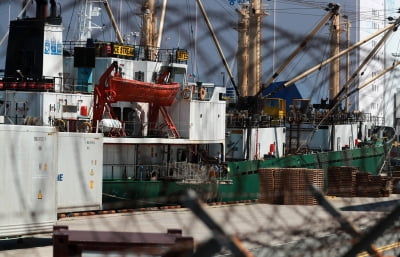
column 140, row 193
column 367, row 159
column 243, row 174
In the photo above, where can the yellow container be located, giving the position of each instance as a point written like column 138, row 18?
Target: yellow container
column 274, row 107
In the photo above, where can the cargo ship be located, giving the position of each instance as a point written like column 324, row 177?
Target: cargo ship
column 115, row 125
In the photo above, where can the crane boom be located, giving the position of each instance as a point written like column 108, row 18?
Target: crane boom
column 329, row 60
column 210, row 28
column 114, row 23
column 334, row 9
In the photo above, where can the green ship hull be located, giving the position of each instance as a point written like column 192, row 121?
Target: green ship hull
column 245, row 174
column 243, row 183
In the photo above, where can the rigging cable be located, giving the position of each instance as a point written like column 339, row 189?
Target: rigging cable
column 325, row 72
column 19, row 15
column 70, row 20
column 192, row 37
column 339, row 98
column 135, row 17
column 311, row 135
column 391, row 87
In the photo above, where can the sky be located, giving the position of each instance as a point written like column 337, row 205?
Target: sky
column 288, row 22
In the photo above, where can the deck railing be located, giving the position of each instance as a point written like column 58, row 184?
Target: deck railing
column 179, row 171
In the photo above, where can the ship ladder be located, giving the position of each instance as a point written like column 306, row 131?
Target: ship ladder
column 294, row 137
column 169, row 122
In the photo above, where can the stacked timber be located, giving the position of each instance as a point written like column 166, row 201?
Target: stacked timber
column 271, row 186
column 350, row 182
column 396, row 174
column 382, row 186
column 373, row 186
column 396, row 182
column 363, row 180
column 289, row 185
column 297, row 185
column 292, row 187
column 342, row 181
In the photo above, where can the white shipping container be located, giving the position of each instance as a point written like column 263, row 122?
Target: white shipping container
column 80, row 171
column 28, row 163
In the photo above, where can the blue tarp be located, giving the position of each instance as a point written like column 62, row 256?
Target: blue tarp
column 287, row 93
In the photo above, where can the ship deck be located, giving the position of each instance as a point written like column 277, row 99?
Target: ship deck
column 157, row 140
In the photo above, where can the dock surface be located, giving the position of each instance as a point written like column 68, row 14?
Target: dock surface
column 256, row 225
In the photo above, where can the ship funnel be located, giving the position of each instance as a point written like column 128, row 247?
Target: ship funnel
column 42, row 8
column 53, row 8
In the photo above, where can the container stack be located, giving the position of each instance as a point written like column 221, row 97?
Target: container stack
column 289, row 185
column 342, row 181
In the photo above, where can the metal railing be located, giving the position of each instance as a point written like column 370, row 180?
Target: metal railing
column 137, row 52
column 182, row 171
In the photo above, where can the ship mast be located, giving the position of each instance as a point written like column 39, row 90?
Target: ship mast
column 148, row 33
column 255, row 47
column 249, row 54
column 243, row 50
column 85, row 20
column 335, row 65
column 151, row 37
column 348, row 25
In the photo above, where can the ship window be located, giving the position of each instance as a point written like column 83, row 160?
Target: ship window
column 180, row 155
column 154, row 76
column 127, row 114
column 176, row 74
column 139, row 75
column 117, row 111
column 70, row 108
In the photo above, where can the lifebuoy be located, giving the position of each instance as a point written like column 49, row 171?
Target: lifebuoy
column 60, row 125
column 85, row 127
column 186, row 93
column 203, row 93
